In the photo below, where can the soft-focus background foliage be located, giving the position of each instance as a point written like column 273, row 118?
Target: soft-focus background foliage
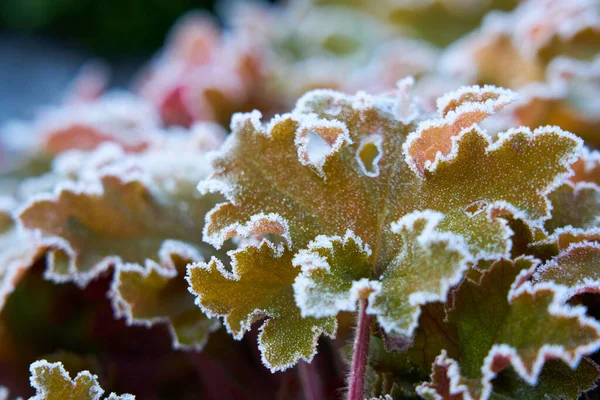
column 44, row 42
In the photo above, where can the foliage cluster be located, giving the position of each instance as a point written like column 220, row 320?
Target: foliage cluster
column 409, row 189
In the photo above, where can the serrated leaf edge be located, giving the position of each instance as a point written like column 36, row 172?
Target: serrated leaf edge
column 307, row 260
column 95, row 392
column 122, row 309
column 258, row 313
column 428, row 236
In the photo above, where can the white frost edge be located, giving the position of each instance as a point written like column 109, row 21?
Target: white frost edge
column 308, row 260
column 554, row 238
column 425, row 239
column 546, row 352
column 165, row 269
column 246, row 325
column 233, row 276
column 95, row 392
column 311, row 122
column 245, row 230
column 505, row 97
column 587, row 285
column 452, row 374
column 506, row 137
column 377, row 141
column 54, row 242
column 489, row 107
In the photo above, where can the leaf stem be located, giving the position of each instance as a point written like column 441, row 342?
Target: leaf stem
column 309, row 379
column 360, row 353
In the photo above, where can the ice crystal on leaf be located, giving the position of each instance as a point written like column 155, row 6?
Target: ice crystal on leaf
column 335, row 273
column 157, row 293
column 52, row 382
column 525, row 40
column 283, row 193
column 337, row 195
column 576, row 264
column 501, row 320
column 258, row 286
column 107, row 216
column 138, row 213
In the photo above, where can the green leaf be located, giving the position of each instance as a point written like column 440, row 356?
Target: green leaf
column 502, row 320
column 52, row 382
column 556, row 381
column 260, row 286
column 336, row 272
column 575, row 205
column 157, row 293
column 575, row 267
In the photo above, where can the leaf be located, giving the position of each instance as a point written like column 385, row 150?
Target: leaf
column 283, row 192
column 557, row 381
column 502, row 320
column 575, row 205
column 18, row 250
column 526, row 40
column 121, row 118
column 575, row 267
column 52, row 382
column 460, row 110
column 389, row 372
column 122, row 210
column 336, row 272
column 258, row 286
column 566, row 98
column 587, row 167
column 157, row 293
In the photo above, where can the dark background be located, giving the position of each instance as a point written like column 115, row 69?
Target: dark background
column 43, row 43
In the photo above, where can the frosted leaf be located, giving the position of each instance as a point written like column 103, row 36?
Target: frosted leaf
column 157, row 293
column 52, row 382
column 338, row 196
column 502, row 320
column 575, row 267
column 115, row 117
column 460, row 110
column 513, row 49
column 586, row 168
column 336, row 272
column 568, row 98
column 557, row 380
column 18, row 250
column 260, row 286
column 203, row 75
column 575, row 205
column 106, row 213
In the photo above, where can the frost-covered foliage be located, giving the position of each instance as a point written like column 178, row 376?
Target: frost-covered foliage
column 428, row 168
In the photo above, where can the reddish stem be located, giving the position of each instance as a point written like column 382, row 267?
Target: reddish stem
column 359, row 356
column 309, row 379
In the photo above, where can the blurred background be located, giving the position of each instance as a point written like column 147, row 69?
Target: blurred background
column 43, row 43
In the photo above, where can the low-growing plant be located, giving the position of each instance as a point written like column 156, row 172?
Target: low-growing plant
column 422, row 241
